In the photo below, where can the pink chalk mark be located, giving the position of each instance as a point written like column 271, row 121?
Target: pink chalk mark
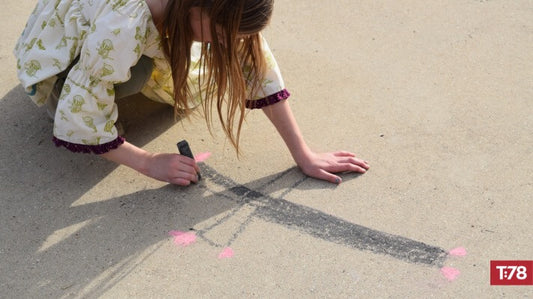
column 450, row 273
column 201, row 157
column 226, row 253
column 183, row 238
column 459, row 251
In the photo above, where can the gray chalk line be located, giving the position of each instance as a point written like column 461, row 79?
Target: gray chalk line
column 328, row 227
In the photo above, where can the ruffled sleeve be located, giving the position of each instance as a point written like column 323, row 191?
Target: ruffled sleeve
column 272, row 86
column 86, row 112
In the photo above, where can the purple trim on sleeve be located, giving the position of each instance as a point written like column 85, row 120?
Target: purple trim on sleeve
column 266, row 101
column 87, row 149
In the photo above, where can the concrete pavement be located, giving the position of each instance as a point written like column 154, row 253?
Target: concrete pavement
column 436, row 96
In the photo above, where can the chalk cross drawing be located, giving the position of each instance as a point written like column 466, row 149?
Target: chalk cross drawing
column 313, row 222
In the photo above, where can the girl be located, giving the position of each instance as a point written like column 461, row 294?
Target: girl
column 79, row 56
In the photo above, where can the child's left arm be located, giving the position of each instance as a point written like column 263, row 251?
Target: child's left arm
column 317, row 165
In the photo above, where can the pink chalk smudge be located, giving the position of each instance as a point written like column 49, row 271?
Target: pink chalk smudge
column 226, row 253
column 201, row 157
column 450, row 273
column 459, row 251
column 183, row 238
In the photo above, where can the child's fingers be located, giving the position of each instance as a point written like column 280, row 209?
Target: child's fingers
column 184, row 171
column 184, row 178
column 189, row 162
column 354, row 168
column 345, row 167
column 178, row 170
column 355, row 161
column 343, row 154
column 191, row 176
column 327, row 176
column 180, row 182
column 186, row 160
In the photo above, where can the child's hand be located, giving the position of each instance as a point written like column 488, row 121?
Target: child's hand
column 173, row 168
column 170, row 168
column 324, row 165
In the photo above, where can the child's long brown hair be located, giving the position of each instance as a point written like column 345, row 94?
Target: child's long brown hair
column 238, row 49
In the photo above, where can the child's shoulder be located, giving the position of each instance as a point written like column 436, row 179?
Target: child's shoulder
column 127, row 8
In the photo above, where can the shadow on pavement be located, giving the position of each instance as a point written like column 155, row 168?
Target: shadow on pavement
column 54, row 245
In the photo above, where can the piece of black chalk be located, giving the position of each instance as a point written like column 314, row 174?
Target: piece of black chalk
column 185, row 150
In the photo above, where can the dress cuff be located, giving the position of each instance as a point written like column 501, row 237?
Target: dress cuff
column 87, row 149
column 266, row 101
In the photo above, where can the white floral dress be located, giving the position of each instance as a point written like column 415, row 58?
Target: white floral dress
column 109, row 37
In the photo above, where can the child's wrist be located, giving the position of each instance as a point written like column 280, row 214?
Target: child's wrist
column 302, row 156
column 145, row 162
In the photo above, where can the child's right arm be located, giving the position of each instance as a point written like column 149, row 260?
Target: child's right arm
column 171, row 168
